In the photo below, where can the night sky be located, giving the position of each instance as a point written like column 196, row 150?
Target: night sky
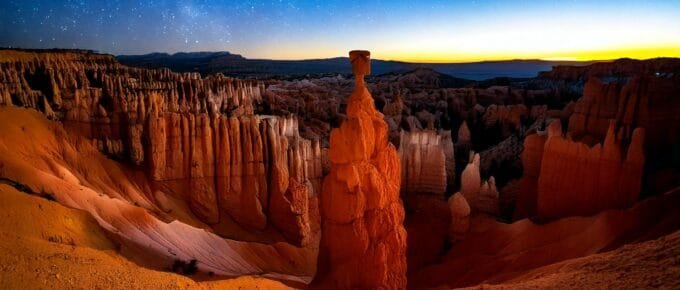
column 404, row 30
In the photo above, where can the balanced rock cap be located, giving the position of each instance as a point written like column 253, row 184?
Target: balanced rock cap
column 361, row 62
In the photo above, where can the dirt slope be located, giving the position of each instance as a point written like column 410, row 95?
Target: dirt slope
column 652, row 264
column 46, row 245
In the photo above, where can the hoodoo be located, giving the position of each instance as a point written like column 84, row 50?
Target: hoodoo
column 206, row 177
column 363, row 244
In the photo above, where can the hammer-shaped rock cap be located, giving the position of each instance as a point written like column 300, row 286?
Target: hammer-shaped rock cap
column 361, row 62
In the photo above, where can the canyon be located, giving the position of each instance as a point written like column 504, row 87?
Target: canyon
column 395, row 180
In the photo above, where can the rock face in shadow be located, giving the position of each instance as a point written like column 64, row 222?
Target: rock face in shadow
column 575, row 179
column 470, row 180
column 488, row 200
column 460, row 217
column 195, row 138
column 363, row 242
column 624, row 104
column 507, row 117
column 647, row 102
column 653, row 262
column 617, row 68
column 532, row 155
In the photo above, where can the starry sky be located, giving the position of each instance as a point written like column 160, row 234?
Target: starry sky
column 427, row 30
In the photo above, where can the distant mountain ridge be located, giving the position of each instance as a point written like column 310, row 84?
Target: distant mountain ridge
column 237, row 65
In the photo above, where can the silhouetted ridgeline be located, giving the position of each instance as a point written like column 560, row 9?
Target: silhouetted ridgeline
column 237, row 65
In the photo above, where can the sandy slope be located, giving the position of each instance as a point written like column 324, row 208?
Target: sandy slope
column 46, row 245
column 652, row 264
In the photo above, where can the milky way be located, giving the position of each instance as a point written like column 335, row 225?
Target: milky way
column 409, row 30
column 143, row 26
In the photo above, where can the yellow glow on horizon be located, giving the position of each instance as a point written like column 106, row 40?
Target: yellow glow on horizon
column 560, row 58
column 593, row 37
column 453, row 56
column 572, row 55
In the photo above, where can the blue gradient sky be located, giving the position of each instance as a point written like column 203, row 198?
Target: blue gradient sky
column 403, row 30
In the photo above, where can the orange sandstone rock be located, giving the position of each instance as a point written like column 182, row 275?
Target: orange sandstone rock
column 463, row 134
column 470, row 180
column 196, row 139
column 70, row 170
column 508, row 117
column 460, row 217
column 579, row 180
column 488, row 197
column 363, row 239
column 424, row 162
column 531, row 162
column 645, row 101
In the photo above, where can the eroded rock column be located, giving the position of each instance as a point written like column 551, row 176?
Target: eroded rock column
column 363, row 243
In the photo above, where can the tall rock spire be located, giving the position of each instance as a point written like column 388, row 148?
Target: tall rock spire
column 363, row 244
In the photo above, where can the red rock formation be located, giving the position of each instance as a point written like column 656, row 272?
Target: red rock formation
column 532, row 156
column 647, row 102
column 508, row 117
column 488, row 197
column 423, row 162
column 256, row 158
column 395, row 108
column 538, row 112
column 463, row 134
column 493, row 251
column 470, row 180
column 607, row 113
column 292, row 179
column 196, row 138
column 69, row 169
column 620, row 67
column 460, row 217
column 576, row 179
column 449, row 154
column 363, row 240
column 507, row 199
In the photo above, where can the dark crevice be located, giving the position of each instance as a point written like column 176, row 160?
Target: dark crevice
column 26, row 189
